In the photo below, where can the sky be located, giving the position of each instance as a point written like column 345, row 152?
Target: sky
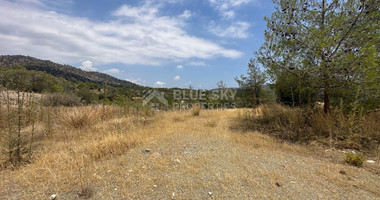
column 156, row 43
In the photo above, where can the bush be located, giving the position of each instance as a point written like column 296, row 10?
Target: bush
column 61, row 99
column 79, row 117
column 355, row 159
column 197, row 110
column 350, row 130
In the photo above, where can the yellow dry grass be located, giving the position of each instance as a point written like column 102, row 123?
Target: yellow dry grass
column 175, row 155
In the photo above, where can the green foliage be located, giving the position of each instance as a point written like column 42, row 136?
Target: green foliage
column 20, row 79
column 254, row 81
column 67, row 72
column 355, row 159
column 86, row 95
column 324, row 48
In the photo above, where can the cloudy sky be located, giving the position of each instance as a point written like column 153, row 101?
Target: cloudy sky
column 161, row 43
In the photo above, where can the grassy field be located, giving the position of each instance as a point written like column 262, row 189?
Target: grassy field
column 98, row 153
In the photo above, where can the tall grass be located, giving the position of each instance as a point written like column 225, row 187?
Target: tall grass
column 336, row 129
column 196, row 109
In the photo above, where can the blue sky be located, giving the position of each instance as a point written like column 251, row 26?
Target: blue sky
column 159, row 43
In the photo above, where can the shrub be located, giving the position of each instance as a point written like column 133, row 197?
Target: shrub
column 197, row 110
column 344, row 130
column 355, row 159
column 61, row 99
column 78, row 117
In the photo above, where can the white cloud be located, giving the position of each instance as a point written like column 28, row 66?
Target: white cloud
column 159, row 84
column 136, row 35
column 87, row 66
column 176, row 78
column 112, row 71
column 179, row 67
column 135, row 80
column 235, row 30
column 226, row 7
column 186, row 14
column 197, row 63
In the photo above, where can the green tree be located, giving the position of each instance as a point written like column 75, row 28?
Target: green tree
column 333, row 43
column 254, row 80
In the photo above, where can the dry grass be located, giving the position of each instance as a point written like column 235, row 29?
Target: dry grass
column 188, row 157
column 197, row 109
column 350, row 131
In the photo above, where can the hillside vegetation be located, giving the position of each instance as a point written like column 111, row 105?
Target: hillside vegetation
column 64, row 71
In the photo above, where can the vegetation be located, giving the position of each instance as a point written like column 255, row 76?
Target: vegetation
column 345, row 131
column 64, row 71
column 109, row 158
column 324, row 48
column 254, row 81
column 197, row 110
column 355, row 159
column 319, row 51
column 74, row 128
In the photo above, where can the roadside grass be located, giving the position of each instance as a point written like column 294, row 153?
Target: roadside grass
column 335, row 130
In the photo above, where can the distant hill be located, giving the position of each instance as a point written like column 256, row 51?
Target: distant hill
column 65, row 71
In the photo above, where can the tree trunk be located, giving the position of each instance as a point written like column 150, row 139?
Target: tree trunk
column 299, row 92
column 291, row 90
column 253, row 97
column 326, row 94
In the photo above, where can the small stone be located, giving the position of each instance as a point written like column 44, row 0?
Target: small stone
column 278, row 184
column 115, row 189
column 210, row 193
column 370, row 161
column 53, row 196
column 155, row 186
column 177, row 160
column 147, row 150
column 342, row 172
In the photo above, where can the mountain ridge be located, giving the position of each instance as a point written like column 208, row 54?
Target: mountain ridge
column 67, row 72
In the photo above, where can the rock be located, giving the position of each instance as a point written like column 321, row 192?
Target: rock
column 370, row 161
column 210, row 193
column 342, row 172
column 177, row 160
column 146, row 150
column 53, row 196
column 278, row 184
